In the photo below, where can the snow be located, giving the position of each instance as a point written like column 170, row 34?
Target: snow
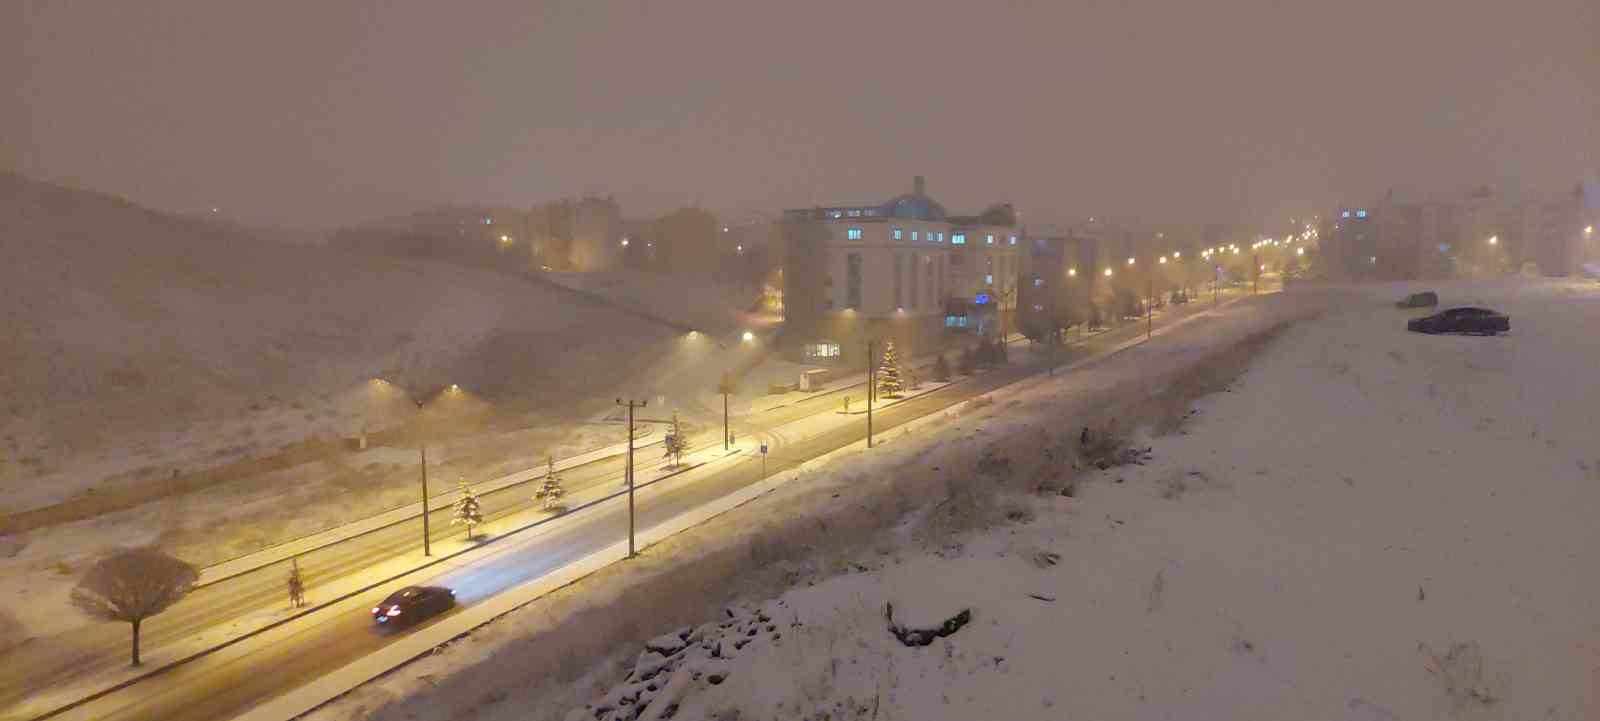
column 1365, row 524
column 141, row 344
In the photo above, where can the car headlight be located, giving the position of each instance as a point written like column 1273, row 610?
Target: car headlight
column 394, row 611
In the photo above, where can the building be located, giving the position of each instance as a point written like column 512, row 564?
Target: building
column 1057, row 288
column 903, row 269
column 582, row 235
column 472, row 235
column 1352, row 248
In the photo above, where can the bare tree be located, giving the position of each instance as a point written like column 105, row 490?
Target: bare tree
column 132, row 585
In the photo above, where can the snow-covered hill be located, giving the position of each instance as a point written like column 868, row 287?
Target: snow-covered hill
column 136, row 342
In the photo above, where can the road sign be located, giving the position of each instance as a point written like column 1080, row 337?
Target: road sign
column 763, row 449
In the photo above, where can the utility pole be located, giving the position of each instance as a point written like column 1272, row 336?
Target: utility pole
column 725, row 386
column 872, row 387
column 422, row 448
column 631, row 404
column 1255, row 267
column 1150, row 307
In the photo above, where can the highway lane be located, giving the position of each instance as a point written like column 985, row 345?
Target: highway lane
column 255, row 596
column 352, row 639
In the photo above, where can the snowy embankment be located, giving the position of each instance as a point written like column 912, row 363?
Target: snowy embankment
column 1368, row 524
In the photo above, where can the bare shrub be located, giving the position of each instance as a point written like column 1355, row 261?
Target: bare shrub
column 133, row 585
column 1460, row 669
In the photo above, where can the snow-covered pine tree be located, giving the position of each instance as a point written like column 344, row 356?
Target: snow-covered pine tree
column 889, row 382
column 550, row 492
column 467, row 510
column 676, row 443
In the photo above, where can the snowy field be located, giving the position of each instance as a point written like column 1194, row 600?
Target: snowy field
column 1366, row 524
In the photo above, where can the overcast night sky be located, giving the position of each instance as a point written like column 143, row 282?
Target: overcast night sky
column 337, row 111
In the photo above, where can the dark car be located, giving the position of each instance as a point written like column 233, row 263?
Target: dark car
column 1425, row 299
column 412, row 604
column 1462, row 320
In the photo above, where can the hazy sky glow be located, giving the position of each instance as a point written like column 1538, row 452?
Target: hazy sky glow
column 336, row 111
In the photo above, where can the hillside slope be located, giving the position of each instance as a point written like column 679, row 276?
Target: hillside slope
column 132, row 339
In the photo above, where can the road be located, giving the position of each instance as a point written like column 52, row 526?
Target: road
column 229, row 682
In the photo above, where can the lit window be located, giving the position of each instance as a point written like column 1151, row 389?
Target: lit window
column 835, row 214
column 988, row 240
column 914, row 235
column 488, row 221
column 853, row 234
column 958, row 239
column 988, row 280
column 1011, row 240
column 855, row 213
column 1361, row 214
column 1345, row 214
column 1038, row 282
column 899, row 234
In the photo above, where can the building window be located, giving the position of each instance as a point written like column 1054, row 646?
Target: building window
column 955, row 321
column 855, row 213
column 1011, row 240
column 914, row 235
column 1345, row 214
column 870, row 212
column 988, row 240
column 1038, row 282
column 899, row 234
column 853, row 234
column 853, row 281
column 899, row 274
column 958, row 239
column 988, row 280
column 823, row 350
column 835, row 214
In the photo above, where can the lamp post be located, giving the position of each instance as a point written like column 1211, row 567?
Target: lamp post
column 628, row 473
column 725, row 386
column 422, row 449
column 872, row 388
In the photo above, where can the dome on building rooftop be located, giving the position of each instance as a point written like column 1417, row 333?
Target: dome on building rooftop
column 915, row 205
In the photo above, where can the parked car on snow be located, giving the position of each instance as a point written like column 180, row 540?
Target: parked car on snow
column 1425, row 299
column 412, row 604
column 1462, row 320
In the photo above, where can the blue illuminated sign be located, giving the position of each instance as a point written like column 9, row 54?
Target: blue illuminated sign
column 982, row 299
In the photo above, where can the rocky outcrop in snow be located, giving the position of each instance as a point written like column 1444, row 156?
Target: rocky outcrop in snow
column 675, row 664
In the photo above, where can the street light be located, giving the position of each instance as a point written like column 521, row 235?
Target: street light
column 1108, row 272
column 422, row 450
column 1494, row 240
column 748, row 336
column 1072, row 271
column 1588, row 230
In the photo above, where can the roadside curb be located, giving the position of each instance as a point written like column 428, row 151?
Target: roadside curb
column 435, row 561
